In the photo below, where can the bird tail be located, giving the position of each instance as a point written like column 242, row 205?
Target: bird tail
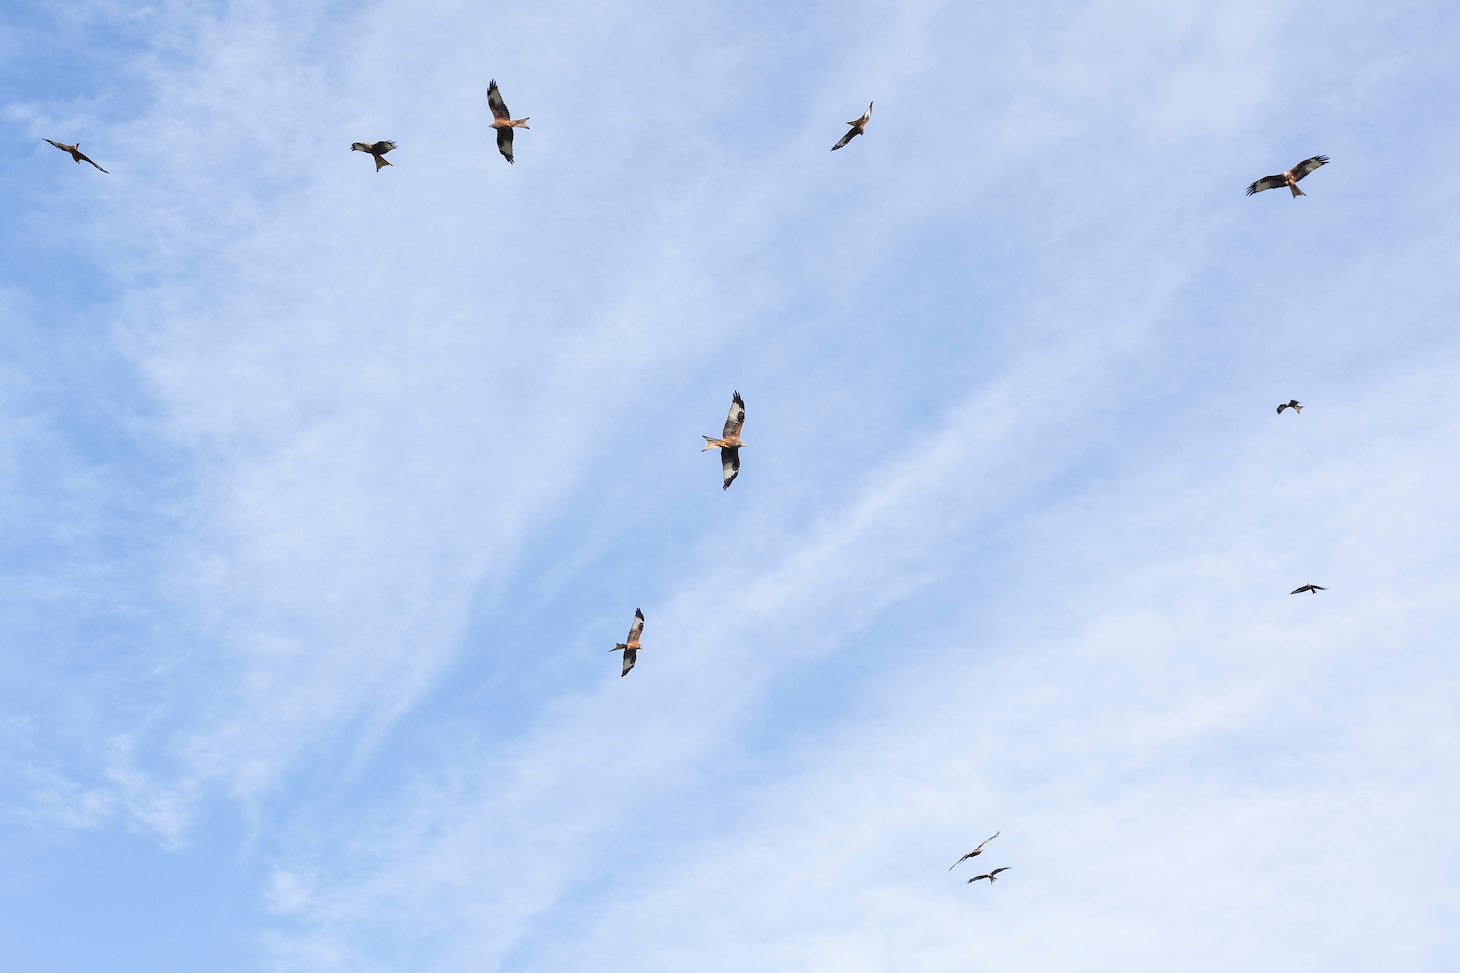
column 709, row 443
column 1296, row 191
column 1297, row 408
column 520, row 122
column 619, row 648
column 381, row 162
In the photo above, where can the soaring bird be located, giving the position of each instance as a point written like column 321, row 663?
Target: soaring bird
column 1290, row 404
column 858, row 128
column 504, row 123
column 75, row 151
column 630, row 649
column 975, row 852
column 991, row 876
column 1289, row 178
column 1315, row 588
column 375, row 149
column 729, row 441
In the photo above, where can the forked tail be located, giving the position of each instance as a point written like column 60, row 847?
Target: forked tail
column 618, row 648
column 381, row 162
column 1296, row 191
column 520, row 122
column 710, row 443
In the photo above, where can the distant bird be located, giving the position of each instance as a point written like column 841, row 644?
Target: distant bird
column 1315, row 588
column 1289, row 178
column 991, row 876
column 75, row 151
column 630, row 649
column 977, row 851
column 375, row 149
column 1290, row 404
column 729, row 441
column 504, row 123
column 859, row 127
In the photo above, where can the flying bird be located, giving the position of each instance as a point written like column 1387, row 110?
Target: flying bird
column 75, row 151
column 991, row 876
column 1315, row 588
column 1289, row 178
column 1290, row 404
column 858, row 127
column 729, row 441
column 375, row 149
column 630, row 649
column 504, row 123
column 977, row 851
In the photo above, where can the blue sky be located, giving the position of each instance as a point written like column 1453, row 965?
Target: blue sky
column 327, row 491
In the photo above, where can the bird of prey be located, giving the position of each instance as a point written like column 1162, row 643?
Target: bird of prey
column 630, row 649
column 1290, row 404
column 375, row 149
column 503, row 121
column 975, row 852
column 729, row 441
column 858, row 127
column 1315, row 588
column 991, row 876
column 75, row 150
column 1289, row 178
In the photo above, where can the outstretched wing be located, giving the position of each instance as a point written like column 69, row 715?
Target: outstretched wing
column 979, row 849
column 1267, row 182
column 637, row 628
column 736, row 419
column 504, row 143
column 630, row 657
column 998, row 870
column 1308, row 165
column 729, row 465
column 851, row 134
column 63, row 148
column 962, row 860
column 977, row 877
column 1281, row 408
column 382, row 147
column 82, row 157
column 498, row 106
column 1299, row 591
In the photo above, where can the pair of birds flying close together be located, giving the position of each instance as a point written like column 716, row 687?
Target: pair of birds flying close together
column 992, row 876
column 729, row 445
column 502, row 122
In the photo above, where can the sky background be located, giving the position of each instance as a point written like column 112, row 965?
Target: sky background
column 324, row 493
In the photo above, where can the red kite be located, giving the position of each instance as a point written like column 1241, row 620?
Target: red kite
column 977, row 851
column 1290, row 404
column 375, row 149
column 630, row 649
column 991, row 876
column 1314, row 588
column 1289, row 178
column 858, row 128
column 504, row 123
column 75, row 150
column 729, row 441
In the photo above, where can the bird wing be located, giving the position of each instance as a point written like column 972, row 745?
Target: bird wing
column 504, row 143
column 63, row 148
column 382, row 147
column 729, row 465
column 637, row 628
column 1308, row 165
column 630, row 657
column 1299, row 591
column 977, row 877
column 1317, row 587
column 991, row 837
column 1267, row 182
column 962, row 860
column 1282, row 407
column 867, row 115
column 498, row 106
column 998, row 870
column 851, row 134
column 736, row 418
column 82, row 156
